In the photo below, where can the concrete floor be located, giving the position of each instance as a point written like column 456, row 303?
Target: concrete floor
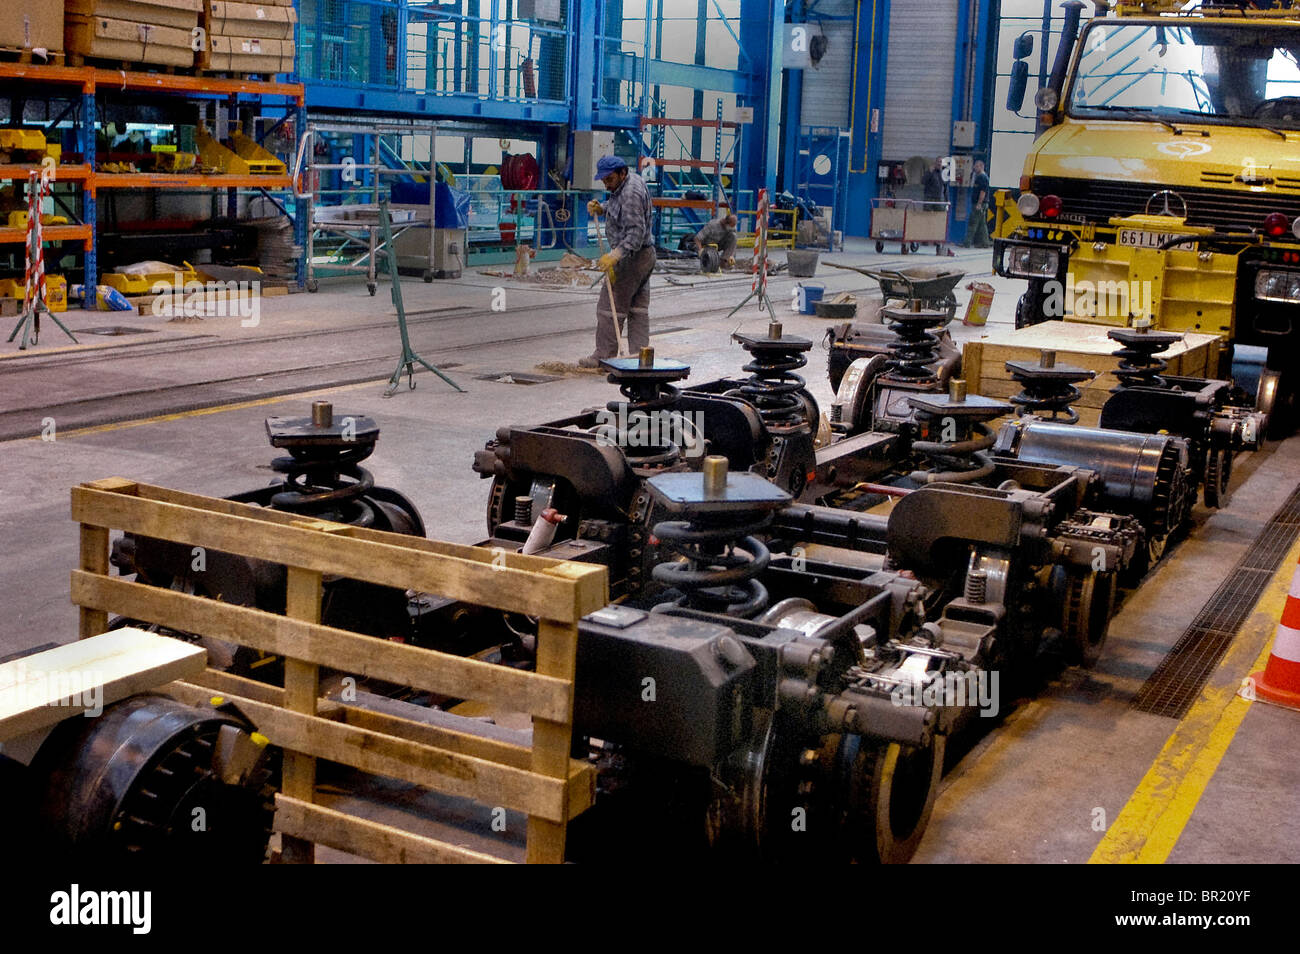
column 182, row 405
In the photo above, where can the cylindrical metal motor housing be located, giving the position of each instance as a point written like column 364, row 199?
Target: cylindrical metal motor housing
column 1134, row 468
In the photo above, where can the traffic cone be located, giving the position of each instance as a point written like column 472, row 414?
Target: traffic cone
column 1279, row 683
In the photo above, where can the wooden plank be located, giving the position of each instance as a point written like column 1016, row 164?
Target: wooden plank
column 301, row 690
column 972, row 358
column 389, row 563
column 552, row 740
column 43, row 689
column 369, row 839
column 211, row 684
column 513, row 561
column 93, row 559
column 383, row 754
column 428, row 669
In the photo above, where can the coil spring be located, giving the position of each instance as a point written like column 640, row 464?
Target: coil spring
column 643, row 400
column 1139, row 366
column 327, row 477
column 722, row 563
column 977, row 586
column 916, row 347
column 1048, row 399
column 772, row 385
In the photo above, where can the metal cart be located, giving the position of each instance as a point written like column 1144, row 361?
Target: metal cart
column 345, row 220
column 910, row 222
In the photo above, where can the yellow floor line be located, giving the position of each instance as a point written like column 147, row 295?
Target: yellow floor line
column 201, row 411
column 1149, row 826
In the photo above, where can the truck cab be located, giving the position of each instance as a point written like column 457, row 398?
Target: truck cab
column 1165, row 183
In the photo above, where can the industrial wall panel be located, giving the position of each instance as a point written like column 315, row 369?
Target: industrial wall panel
column 828, row 86
column 919, row 78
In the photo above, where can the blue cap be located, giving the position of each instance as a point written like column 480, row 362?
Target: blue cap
column 607, row 165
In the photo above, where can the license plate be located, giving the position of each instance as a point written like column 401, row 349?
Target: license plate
column 1141, row 239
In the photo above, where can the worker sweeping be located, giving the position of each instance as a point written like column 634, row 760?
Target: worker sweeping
column 628, row 263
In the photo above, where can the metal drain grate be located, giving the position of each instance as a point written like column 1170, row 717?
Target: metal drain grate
column 1178, row 680
column 114, row 330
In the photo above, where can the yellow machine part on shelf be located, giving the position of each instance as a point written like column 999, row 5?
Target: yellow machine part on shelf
column 174, row 161
column 260, row 161
column 56, row 291
column 32, row 139
column 18, row 219
column 217, row 156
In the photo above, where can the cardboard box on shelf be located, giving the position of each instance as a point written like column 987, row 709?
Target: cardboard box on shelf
column 32, row 25
column 127, row 40
column 181, row 14
column 250, row 20
column 240, row 54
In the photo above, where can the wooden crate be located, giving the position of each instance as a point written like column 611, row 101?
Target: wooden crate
column 133, row 42
column 1084, row 346
column 249, row 20
column 539, row 780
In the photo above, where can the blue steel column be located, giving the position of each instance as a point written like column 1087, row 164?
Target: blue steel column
column 868, row 98
column 793, row 110
column 89, row 208
column 300, row 212
column 761, row 34
column 584, row 48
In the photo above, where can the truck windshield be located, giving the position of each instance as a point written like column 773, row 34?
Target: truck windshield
column 1189, row 72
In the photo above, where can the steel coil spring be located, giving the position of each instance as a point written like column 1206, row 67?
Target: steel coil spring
column 915, row 348
column 772, row 386
column 326, row 478
column 1139, row 366
column 721, row 564
column 1048, row 399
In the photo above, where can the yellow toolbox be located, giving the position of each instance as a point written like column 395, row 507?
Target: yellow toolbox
column 56, row 291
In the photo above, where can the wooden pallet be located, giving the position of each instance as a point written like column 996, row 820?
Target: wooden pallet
column 539, row 780
column 1084, row 346
column 18, row 54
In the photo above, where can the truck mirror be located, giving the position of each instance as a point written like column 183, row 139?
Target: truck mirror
column 1019, row 83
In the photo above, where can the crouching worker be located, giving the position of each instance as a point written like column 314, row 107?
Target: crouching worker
column 722, row 233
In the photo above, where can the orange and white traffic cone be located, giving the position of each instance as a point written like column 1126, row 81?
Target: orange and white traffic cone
column 1279, row 683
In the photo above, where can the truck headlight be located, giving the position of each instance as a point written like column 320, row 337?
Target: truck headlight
column 1277, row 286
column 1028, row 261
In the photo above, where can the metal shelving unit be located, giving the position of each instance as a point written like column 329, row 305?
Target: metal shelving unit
column 82, row 87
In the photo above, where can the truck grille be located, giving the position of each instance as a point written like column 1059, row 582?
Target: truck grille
column 1227, row 210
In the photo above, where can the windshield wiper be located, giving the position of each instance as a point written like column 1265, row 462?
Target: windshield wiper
column 1141, row 115
column 1240, row 121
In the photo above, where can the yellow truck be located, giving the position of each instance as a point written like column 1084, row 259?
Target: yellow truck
column 1165, row 182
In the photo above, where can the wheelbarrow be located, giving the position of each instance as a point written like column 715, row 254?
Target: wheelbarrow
column 933, row 286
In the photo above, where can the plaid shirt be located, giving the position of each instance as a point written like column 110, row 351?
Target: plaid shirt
column 627, row 216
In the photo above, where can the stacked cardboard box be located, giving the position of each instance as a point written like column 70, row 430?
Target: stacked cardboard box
column 32, row 25
column 249, row 37
column 155, row 32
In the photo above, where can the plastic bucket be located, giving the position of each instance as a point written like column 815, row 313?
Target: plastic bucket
column 981, row 300
column 802, row 262
column 812, row 294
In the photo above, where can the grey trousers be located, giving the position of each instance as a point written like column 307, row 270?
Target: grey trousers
column 631, row 300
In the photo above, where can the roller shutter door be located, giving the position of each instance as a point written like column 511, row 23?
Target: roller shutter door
column 826, row 88
column 919, row 79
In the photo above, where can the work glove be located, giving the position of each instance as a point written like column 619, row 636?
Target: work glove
column 607, row 262
column 595, row 208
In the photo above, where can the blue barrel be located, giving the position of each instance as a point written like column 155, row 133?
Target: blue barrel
column 812, row 294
